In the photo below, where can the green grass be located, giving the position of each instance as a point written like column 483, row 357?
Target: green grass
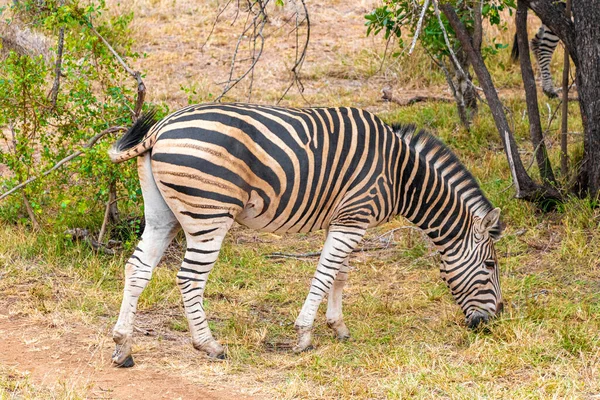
column 408, row 336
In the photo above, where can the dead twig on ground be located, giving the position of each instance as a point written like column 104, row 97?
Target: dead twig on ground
column 78, row 234
column 387, row 95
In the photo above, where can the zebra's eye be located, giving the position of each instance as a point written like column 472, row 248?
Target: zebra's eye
column 490, row 264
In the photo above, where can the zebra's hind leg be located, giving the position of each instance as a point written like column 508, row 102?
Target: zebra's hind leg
column 334, row 315
column 161, row 227
column 340, row 242
column 202, row 251
column 543, row 45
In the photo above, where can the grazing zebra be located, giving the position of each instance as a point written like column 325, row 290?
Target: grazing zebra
column 299, row 170
column 543, row 45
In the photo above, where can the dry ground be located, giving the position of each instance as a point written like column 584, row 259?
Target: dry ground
column 66, row 358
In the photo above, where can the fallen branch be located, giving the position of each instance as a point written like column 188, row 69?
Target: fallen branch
column 388, row 96
column 291, row 255
column 318, row 253
column 78, row 234
column 65, row 160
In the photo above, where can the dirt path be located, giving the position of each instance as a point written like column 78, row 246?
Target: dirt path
column 76, row 356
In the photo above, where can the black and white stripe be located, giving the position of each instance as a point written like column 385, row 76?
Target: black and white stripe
column 299, row 170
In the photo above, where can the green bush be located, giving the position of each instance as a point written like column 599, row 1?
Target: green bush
column 95, row 93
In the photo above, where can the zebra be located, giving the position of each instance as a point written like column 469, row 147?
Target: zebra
column 543, row 45
column 292, row 170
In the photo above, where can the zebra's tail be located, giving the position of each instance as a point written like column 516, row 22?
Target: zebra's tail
column 136, row 141
column 514, row 55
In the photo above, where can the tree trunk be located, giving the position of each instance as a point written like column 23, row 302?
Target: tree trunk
column 586, row 14
column 564, row 123
column 464, row 90
column 535, row 125
column 525, row 187
column 582, row 38
column 112, row 203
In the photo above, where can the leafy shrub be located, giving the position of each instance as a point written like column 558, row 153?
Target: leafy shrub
column 95, row 94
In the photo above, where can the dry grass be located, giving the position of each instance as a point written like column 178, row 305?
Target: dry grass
column 409, row 340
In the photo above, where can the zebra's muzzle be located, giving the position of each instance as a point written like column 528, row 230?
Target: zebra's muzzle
column 476, row 319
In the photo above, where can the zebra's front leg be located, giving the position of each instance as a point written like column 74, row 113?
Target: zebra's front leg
column 334, row 315
column 200, row 257
column 340, row 242
column 138, row 271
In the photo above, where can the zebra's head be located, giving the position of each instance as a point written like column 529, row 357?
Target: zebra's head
column 471, row 270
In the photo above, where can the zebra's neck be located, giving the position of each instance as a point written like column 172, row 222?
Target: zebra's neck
column 434, row 190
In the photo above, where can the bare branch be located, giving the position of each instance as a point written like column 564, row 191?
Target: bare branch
column 65, row 160
column 141, row 89
column 57, row 67
column 477, row 26
column 256, row 25
column 447, row 41
column 300, row 57
column 419, row 25
column 212, row 29
column 34, row 222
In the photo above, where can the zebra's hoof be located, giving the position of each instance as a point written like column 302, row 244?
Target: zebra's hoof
column 212, row 349
column 299, row 349
column 342, row 333
column 127, row 363
column 550, row 93
column 304, row 339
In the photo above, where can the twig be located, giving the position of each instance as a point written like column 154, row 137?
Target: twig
column 107, row 217
column 318, row 253
column 388, row 96
column 65, row 160
column 299, row 59
column 258, row 23
column 564, row 167
column 447, row 41
column 419, row 25
column 34, row 222
column 289, row 255
column 57, row 68
column 212, row 29
column 141, row 89
column 143, row 331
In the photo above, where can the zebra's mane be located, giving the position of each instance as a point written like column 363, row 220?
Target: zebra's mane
column 426, row 143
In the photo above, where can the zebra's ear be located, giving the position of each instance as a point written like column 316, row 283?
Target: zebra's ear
column 491, row 223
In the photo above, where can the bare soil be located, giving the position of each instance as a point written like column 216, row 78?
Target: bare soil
column 76, row 356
